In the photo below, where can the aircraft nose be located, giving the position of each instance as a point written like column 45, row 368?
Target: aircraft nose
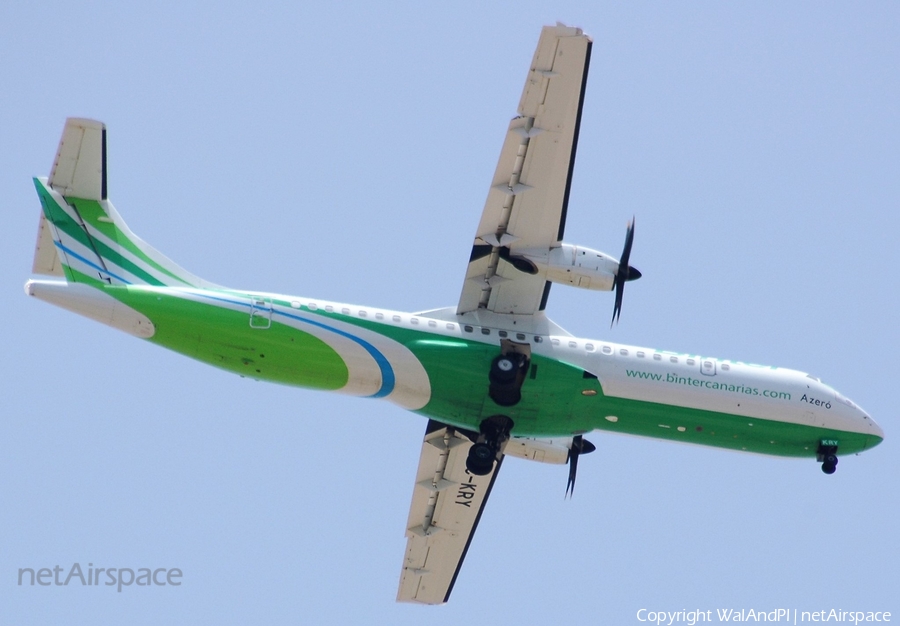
column 875, row 428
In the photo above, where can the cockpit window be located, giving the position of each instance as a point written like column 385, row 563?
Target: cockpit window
column 844, row 399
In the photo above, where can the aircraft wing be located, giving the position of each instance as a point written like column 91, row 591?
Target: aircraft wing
column 446, row 505
column 527, row 202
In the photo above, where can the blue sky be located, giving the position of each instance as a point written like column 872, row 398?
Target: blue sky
column 344, row 153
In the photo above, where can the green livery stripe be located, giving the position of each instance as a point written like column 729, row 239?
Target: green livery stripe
column 91, row 211
column 710, row 428
column 223, row 337
column 81, row 277
column 69, row 226
column 66, row 224
column 59, row 218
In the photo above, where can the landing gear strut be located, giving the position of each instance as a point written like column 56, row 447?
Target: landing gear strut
column 828, row 457
column 494, row 431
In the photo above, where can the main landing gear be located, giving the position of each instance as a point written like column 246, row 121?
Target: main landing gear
column 507, row 375
column 494, row 432
column 827, row 455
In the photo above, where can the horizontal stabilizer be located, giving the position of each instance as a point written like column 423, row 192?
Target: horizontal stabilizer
column 93, row 303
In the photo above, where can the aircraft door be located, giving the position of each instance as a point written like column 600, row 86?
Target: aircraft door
column 260, row 312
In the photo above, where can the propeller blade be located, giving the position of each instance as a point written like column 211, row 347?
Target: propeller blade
column 629, row 239
column 573, row 469
column 624, row 273
column 617, row 309
column 580, row 446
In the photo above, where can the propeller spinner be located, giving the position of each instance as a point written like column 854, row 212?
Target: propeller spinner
column 624, row 273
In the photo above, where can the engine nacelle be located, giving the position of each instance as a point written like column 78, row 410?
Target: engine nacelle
column 575, row 265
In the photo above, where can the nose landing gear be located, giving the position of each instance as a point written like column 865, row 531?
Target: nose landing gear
column 827, row 455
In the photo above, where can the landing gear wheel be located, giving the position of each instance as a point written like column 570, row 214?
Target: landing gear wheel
column 493, row 433
column 481, row 459
column 503, row 370
column 506, row 376
column 827, row 454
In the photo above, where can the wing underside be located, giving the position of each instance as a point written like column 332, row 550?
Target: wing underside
column 525, row 210
column 523, row 218
column 446, row 506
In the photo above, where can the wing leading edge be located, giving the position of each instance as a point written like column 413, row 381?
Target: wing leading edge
column 446, row 506
column 526, row 205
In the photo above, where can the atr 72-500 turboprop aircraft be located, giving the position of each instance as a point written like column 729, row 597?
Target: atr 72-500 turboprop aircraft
column 493, row 375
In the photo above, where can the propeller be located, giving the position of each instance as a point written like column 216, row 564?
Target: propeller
column 624, row 273
column 580, row 446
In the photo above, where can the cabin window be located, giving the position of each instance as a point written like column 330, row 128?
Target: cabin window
column 362, row 313
column 414, row 320
column 572, row 344
column 467, row 328
column 485, row 331
column 607, row 350
column 451, row 326
column 555, row 342
column 345, row 311
column 690, row 361
column 673, row 359
column 396, row 318
column 589, row 347
column 726, row 367
column 502, row 333
column 623, row 352
column 520, row 336
column 640, row 354
column 538, row 339
column 379, row 316
column 432, row 323
column 312, row 305
column 657, row 357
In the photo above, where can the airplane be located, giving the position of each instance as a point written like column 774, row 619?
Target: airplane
column 494, row 376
